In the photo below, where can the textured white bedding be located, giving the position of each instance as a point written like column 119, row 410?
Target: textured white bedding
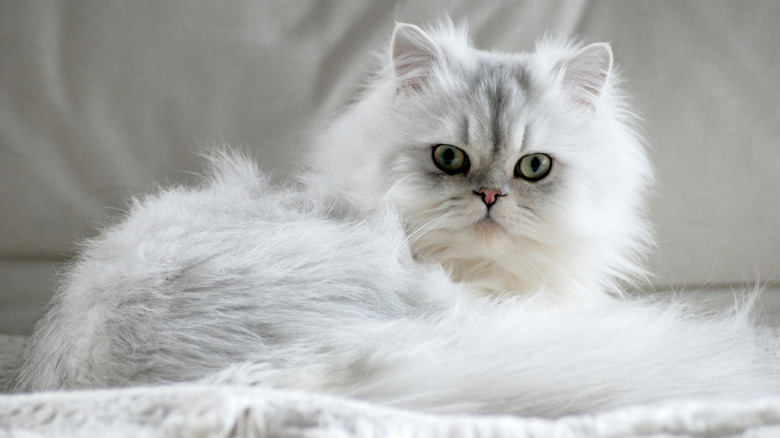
column 224, row 411
column 186, row 411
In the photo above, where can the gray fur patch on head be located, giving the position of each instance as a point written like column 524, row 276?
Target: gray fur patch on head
column 498, row 91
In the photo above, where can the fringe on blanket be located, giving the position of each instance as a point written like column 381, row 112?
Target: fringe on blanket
column 225, row 411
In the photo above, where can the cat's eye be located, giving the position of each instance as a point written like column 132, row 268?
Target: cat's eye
column 533, row 167
column 450, row 159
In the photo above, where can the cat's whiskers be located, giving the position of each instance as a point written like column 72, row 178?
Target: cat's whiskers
column 410, row 223
column 533, row 212
column 419, row 231
column 418, row 225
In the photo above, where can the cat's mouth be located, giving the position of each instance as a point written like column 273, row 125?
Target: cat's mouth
column 487, row 223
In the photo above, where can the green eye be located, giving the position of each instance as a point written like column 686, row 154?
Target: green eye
column 533, row 167
column 450, row 159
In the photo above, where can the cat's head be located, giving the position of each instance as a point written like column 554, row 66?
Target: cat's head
column 517, row 172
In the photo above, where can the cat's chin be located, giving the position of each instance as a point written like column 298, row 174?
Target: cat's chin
column 488, row 225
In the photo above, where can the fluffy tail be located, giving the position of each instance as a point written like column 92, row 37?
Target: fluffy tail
column 483, row 357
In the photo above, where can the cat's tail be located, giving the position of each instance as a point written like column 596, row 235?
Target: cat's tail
column 484, row 357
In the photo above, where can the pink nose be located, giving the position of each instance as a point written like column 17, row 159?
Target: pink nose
column 489, row 196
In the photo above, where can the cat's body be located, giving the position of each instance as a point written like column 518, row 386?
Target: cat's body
column 263, row 286
column 327, row 288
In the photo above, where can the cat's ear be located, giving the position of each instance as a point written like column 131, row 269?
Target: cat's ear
column 413, row 54
column 586, row 73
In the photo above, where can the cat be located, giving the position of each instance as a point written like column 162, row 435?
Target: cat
column 518, row 173
column 330, row 284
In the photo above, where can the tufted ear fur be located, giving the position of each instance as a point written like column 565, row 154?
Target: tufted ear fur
column 413, row 54
column 586, row 73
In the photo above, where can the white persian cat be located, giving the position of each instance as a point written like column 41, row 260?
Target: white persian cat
column 516, row 172
column 520, row 175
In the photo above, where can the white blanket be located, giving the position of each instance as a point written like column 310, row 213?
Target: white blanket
column 202, row 411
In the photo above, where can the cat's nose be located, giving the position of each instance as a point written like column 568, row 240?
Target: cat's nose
column 489, row 196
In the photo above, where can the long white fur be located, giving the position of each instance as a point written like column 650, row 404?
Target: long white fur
column 240, row 281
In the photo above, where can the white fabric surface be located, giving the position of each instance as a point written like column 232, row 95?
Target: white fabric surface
column 190, row 410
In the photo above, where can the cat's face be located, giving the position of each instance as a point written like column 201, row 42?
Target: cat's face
column 483, row 163
column 515, row 172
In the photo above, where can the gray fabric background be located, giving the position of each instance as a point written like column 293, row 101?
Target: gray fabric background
column 100, row 100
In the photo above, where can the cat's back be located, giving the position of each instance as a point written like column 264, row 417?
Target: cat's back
column 193, row 279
